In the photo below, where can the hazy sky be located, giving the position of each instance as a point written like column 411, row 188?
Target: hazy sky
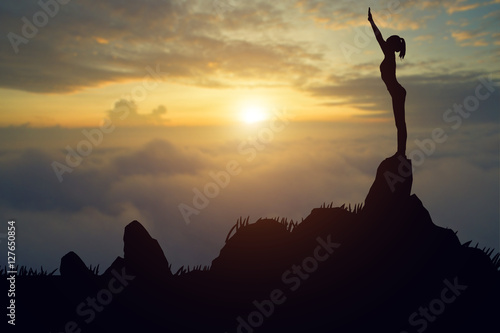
column 119, row 110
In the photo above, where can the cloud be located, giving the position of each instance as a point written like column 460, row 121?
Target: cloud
column 459, row 6
column 462, row 22
column 483, row 33
column 429, row 95
column 87, row 45
column 241, row 15
column 125, row 113
column 326, row 161
column 461, row 183
column 31, row 183
column 424, row 38
column 338, row 15
column 156, row 158
column 493, row 14
column 461, row 36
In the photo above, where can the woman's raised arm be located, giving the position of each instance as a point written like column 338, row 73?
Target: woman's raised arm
column 377, row 32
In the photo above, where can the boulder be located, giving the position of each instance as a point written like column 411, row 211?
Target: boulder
column 143, row 255
column 392, row 185
column 73, row 267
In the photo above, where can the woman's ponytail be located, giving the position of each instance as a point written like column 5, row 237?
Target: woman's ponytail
column 402, row 51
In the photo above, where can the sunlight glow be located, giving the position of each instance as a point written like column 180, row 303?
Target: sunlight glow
column 253, row 114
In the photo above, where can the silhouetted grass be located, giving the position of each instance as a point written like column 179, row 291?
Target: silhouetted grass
column 356, row 209
column 94, row 270
column 489, row 251
column 184, row 270
column 25, row 271
column 239, row 224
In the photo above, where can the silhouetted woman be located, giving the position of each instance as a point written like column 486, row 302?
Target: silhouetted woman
column 388, row 70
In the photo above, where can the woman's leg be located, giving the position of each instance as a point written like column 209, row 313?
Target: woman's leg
column 398, row 105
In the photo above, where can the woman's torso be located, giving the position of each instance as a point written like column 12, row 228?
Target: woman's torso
column 388, row 70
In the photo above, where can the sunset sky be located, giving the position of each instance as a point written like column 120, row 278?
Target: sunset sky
column 290, row 90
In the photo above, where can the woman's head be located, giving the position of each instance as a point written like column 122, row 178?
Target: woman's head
column 397, row 44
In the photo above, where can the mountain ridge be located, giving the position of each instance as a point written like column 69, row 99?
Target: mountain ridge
column 384, row 266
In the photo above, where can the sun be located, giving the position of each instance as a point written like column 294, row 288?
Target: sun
column 253, row 113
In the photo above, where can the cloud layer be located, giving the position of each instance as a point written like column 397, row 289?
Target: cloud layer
column 217, row 44
column 301, row 168
column 86, row 45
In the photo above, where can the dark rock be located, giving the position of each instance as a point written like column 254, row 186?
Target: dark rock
column 391, row 186
column 143, row 255
column 116, row 265
column 73, row 267
column 78, row 281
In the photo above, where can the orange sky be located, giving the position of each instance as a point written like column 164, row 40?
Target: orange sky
column 208, row 63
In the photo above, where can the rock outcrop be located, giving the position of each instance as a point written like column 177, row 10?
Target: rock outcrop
column 73, row 268
column 392, row 185
column 142, row 253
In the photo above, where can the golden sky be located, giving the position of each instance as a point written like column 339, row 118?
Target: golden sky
column 209, row 62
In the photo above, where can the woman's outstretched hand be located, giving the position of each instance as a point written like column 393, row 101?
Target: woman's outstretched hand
column 369, row 15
